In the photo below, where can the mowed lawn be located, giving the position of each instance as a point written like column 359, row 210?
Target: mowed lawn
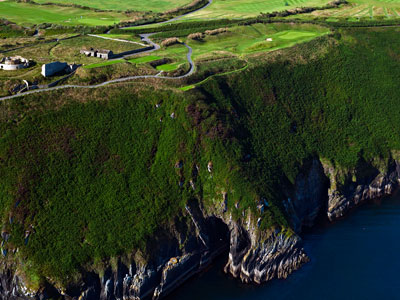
column 123, row 5
column 24, row 13
column 240, row 9
column 357, row 9
column 370, row 8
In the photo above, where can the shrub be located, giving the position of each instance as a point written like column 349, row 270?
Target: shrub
column 170, row 41
column 216, row 31
column 196, row 36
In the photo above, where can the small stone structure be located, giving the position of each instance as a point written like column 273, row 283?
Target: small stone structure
column 57, row 67
column 13, row 63
column 104, row 54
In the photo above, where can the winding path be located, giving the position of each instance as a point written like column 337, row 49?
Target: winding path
column 114, row 39
column 188, row 13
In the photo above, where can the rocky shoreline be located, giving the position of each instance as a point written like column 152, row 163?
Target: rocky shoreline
column 186, row 248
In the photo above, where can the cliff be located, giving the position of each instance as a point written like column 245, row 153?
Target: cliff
column 127, row 198
column 190, row 245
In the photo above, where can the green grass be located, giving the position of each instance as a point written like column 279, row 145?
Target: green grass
column 336, row 118
column 188, row 87
column 69, row 50
column 123, row 5
column 107, row 177
column 24, row 13
column 168, row 67
column 245, row 40
column 361, row 9
column 294, row 35
column 250, row 8
column 144, row 59
column 105, row 63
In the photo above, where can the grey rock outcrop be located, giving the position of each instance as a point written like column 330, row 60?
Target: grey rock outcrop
column 277, row 257
column 376, row 184
column 308, row 197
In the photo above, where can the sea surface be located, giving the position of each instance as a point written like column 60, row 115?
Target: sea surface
column 357, row 257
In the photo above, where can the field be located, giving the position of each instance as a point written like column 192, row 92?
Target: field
column 240, row 9
column 123, row 5
column 368, row 9
column 359, row 9
column 27, row 14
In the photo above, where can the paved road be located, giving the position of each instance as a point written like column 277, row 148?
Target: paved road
column 173, row 19
column 184, row 15
column 114, row 39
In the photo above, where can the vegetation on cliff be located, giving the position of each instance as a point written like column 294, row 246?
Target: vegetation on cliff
column 83, row 179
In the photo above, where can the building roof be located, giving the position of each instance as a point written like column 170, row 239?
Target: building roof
column 15, row 60
column 103, row 51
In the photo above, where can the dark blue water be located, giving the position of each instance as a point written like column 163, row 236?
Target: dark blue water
column 354, row 258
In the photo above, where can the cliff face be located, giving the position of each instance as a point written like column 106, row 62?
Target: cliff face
column 190, row 244
column 375, row 184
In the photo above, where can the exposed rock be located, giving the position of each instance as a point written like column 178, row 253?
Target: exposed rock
column 343, row 197
column 255, row 261
column 189, row 244
column 309, row 195
column 210, row 166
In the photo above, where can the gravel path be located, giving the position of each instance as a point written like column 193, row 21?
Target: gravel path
column 118, row 40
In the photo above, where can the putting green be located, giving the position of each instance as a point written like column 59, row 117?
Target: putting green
column 292, row 35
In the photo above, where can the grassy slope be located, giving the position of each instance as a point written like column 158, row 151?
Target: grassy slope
column 97, row 178
column 24, row 13
column 248, row 39
column 342, row 107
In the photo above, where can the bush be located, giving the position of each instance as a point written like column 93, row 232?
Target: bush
column 170, row 41
column 216, row 31
column 196, row 36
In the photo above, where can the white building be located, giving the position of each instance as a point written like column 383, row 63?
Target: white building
column 53, row 68
column 13, row 63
